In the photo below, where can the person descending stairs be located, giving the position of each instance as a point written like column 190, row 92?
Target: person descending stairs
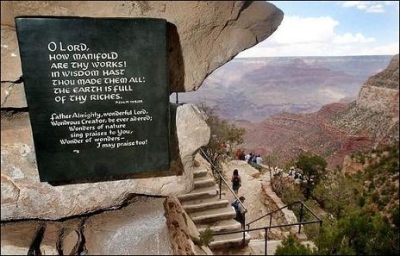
column 207, row 210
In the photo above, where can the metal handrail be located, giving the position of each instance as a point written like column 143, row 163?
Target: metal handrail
column 221, row 179
column 286, row 206
column 266, row 228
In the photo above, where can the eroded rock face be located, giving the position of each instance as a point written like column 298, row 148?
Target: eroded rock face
column 138, row 229
column 202, row 37
column 10, row 60
column 182, row 229
column 381, row 92
column 207, row 34
column 350, row 166
column 117, row 232
column 23, row 196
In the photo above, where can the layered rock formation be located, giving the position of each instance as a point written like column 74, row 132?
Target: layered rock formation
column 337, row 129
column 202, row 37
column 376, row 110
column 262, row 87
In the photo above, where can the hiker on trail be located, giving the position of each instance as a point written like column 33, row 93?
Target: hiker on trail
column 236, row 181
column 258, row 159
column 240, row 211
column 240, row 154
column 292, row 172
column 252, row 158
column 247, row 157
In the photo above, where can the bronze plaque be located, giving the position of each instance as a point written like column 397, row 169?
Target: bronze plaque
column 97, row 93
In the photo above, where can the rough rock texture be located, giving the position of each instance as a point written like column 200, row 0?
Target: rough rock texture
column 116, row 232
column 10, row 60
column 388, row 78
column 381, row 92
column 337, row 129
column 203, row 35
column 193, row 118
column 183, row 232
column 23, row 196
column 379, row 99
column 285, row 216
column 376, row 110
column 16, row 238
column 112, row 232
column 350, row 166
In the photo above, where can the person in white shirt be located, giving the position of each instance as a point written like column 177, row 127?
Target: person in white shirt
column 259, row 159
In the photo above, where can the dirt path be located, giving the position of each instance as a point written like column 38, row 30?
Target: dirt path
column 250, row 189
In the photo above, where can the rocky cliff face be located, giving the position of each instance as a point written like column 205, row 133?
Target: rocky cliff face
column 337, row 129
column 376, row 110
column 122, row 216
column 381, row 92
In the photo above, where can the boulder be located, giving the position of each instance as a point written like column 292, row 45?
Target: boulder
column 139, row 228
column 117, row 232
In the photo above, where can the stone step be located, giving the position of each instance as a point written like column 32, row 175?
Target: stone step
column 257, row 246
column 213, row 215
column 229, row 241
column 200, row 172
column 221, row 226
column 204, row 204
column 199, row 193
column 203, row 182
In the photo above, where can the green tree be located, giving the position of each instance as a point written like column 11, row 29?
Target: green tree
column 313, row 168
column 290, row 246
column 271, row 160
column 359, row 233
column 363, row 208
column 337, row 192
column 222, row 131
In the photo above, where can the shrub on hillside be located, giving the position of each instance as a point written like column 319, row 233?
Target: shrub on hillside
column 290, row 246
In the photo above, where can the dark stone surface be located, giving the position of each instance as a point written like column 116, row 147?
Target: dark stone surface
column 62, row 85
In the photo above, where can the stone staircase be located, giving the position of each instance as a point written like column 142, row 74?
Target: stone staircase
column 205, row 208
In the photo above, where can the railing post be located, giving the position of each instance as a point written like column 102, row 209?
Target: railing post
column 220, row 187
column 266, row 242
column 301, row 216
column 244, row 239
column 244, row 229
column 320, row 226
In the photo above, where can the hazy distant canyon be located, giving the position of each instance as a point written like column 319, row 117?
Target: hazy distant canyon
column 253, row 89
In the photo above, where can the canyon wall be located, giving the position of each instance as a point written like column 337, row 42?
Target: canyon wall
column 123, row 216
